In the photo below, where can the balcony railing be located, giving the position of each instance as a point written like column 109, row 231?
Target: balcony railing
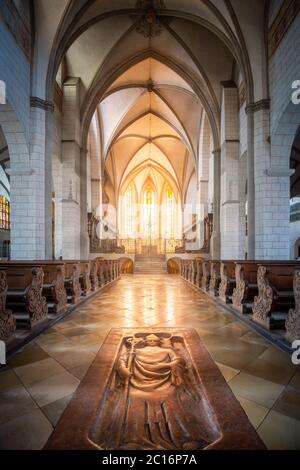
column 137, row 246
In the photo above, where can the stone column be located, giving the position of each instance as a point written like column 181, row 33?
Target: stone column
column 29, row 191
column 216, row 237
column 84, row 238
column 71, row 161
column 230, row 145
column 272, row 191
column 250, row 184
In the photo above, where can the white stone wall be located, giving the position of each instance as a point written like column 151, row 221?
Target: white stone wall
column 294, row 238
column 230, row 177
column 272, row 162
column 57, row 169
column 271, row 198
column 15, row 72
column 284, row 69
column 71, row 215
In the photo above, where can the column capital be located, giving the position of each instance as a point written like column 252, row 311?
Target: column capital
column 258, row 106
column 36, row 102
column 20, row 171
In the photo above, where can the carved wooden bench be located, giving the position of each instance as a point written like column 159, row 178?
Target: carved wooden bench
column 227, row 284
column 7, row 320
column 94, row 275
column 184, row 268
column 275, row 293
column 215, row 278
column 199, row 273
column 101, row 265
column 72, row 281
column 24, row 294
column 53, row 282
column 191, row 271
column 292, row 323
column 85, row 267
column 205, row 281
column 246, row 285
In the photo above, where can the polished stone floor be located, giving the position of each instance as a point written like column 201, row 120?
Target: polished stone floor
column 38, row 383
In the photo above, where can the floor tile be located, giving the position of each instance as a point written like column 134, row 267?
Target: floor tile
column 28, row 432
column 75, row 358
column 255, row 389
column 53, row 388
column 256, row 413
column 280, row 432
column 8, row 379
column 227, row 372
column 289, row 403
column 273, row 373
column 31, row 353
column 15, row 402
column 38, row 370
column 54, row 410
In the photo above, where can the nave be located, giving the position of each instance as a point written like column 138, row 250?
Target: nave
column 39, row 382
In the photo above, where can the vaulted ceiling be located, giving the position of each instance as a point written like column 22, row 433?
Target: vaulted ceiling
column 152, row 70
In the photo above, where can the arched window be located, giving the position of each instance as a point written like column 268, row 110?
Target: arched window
column 169, row 216
column 4, row 213
column 128, row 212
column 149, row 213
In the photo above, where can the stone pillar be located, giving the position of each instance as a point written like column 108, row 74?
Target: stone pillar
column 272, row 191
column 29, row 197
column 230, row 145
column 250, row 185
column 84, row 238
column 71, row 161
column 50, row 129
column 216, row 236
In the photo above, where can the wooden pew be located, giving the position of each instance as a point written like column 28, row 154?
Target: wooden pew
column 191, row 271
column 101, row 273
column 72, row 281
column 94, row 275
column 292, row 323
column 54, row 286
column 227, row 284
column 53, row 282
column 215, row 278
column 205, row 281
column 275, row 293
column 246, row 285
column 183, row 268
column 7, row 320
column 199, row 273
column 24, row 294
column 85, row 267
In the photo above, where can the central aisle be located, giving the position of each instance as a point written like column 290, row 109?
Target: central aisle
column 39, row 382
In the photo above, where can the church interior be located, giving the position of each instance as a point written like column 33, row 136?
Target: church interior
column 150, row 225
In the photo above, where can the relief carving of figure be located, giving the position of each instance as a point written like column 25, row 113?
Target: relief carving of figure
column 157, row 403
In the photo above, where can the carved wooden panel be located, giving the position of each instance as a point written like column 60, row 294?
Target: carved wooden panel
column 154, row 389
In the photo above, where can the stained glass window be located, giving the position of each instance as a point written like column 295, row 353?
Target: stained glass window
column 4, row 213
column 128, row 212
column 169, row 204
column 149, row 213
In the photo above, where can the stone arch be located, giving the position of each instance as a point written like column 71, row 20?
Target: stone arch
column 19, row 171
column 283, row 136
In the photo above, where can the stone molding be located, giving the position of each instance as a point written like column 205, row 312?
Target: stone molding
column 36, row 102
column 258, row 106
column 283, row 21
column 14, row 23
